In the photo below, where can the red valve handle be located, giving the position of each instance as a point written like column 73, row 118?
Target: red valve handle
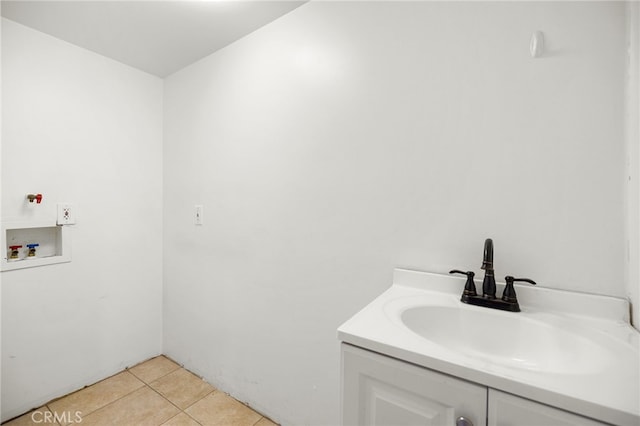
column 15, row 247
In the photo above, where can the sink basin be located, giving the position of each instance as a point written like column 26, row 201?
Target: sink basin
column 507, row 339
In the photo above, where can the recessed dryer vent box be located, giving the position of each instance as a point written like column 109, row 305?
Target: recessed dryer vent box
column 53, row 244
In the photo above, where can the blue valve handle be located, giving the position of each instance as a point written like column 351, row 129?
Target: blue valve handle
column 33, row 245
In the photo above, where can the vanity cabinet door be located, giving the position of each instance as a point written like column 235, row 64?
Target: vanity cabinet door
column 379, row 390
column 510, row 410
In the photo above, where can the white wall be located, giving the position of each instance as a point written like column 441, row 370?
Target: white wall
column 632, row 129
column 349, row 138
column 79, row 128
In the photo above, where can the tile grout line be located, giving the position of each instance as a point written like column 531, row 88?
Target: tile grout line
column 106, row 405
column 49, row 408
column 157, row 378
column 214, row 389
column 166, row 399
column 195, row 402
column 114, row 401
column 135, row 390
column 181, row 410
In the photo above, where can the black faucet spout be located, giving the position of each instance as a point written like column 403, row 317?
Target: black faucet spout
column 487, row 258
column 489, row 282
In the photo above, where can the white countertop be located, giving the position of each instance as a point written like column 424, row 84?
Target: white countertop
column 609, row 391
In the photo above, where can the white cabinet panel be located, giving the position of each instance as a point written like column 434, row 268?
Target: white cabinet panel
column 382, row 391
column 509, row 410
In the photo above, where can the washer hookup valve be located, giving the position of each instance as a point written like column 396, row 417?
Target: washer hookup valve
column 15, row 253
column 36, row 197
column 32, row 249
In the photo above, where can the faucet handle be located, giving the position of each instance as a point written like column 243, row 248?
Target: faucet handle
column 509, row 293
column 470, row 285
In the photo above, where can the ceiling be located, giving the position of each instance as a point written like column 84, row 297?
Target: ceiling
column 159, row 37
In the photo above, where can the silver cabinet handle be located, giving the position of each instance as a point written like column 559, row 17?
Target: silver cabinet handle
column 463, row 421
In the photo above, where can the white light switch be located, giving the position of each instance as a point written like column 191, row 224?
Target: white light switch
column 198, row 211
column 66, row 214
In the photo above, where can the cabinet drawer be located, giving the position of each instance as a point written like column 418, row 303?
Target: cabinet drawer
column 510, row 410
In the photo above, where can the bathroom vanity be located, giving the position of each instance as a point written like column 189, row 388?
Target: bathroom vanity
column 416, row 355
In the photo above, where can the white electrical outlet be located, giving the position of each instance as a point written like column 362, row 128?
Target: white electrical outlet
column 197, row 214
column 66, row 214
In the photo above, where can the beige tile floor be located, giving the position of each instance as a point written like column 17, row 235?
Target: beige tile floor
column 156, row 392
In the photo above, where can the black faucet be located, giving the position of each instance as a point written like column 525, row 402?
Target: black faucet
column 489, row 282
column 508, row 302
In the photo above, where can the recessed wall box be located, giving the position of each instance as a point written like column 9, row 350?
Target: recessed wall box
column 53, row 244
